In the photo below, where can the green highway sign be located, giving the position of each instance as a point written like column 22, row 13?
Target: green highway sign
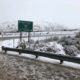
column 25, row 26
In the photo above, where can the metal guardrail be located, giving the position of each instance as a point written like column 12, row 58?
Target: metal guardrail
column 44, row 54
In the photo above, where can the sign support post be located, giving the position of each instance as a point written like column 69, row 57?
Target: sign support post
column 13, row 43
column 20, row 36
column 25, row 26
column 29, row 38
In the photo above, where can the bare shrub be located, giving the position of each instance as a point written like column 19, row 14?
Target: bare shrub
column 71, row 50
column 49, row 49
column 55, row 38
column 77, row 35
column 22, row 45
column 78, row 46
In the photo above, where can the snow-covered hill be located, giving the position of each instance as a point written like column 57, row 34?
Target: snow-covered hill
column 37, row 26
column 47, row 26
column 9, row 26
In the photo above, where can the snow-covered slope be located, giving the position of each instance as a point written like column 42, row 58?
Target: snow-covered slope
column 40, row 26
column 47, row 26
column 9, row 27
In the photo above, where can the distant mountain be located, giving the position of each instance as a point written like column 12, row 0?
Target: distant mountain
column 40, row 26
column 46, row 26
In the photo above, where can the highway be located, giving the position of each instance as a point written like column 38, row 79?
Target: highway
column 6, row 37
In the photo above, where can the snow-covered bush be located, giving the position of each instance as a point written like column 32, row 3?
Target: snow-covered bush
column 71, row 45
column 68, row 41
column 63, row 41
column 51, row 39
column 78, row 46
column 51, row 47
column 77, row 35
column 22, row 45
column 71, row 50
column 48, row 40
column 55, row 38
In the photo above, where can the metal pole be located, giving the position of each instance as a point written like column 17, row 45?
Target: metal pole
column 13, row 43
column 29, row 39
column 2, row 35
column 20, row 36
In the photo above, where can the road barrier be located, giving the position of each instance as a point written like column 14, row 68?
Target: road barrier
column 44, row 54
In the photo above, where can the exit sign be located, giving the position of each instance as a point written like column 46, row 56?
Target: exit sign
column 25, row 26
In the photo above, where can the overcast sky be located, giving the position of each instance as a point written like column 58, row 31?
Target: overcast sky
column 65, row 12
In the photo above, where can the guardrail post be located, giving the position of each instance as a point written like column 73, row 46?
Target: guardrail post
column 19, row 53
column 36, row 56
column 5, row 51
column 61, row 61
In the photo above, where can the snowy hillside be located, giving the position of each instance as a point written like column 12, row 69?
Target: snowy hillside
column 8, row 27
column 40, row 26
column 47, row 26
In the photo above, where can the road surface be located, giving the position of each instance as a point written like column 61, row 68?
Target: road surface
column 16, row 68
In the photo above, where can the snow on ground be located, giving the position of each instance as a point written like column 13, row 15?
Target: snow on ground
column 14, row 43
column 45, row 59
column 65, row 63
column 78, row 55
column 52, row 45
column 10, row 43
